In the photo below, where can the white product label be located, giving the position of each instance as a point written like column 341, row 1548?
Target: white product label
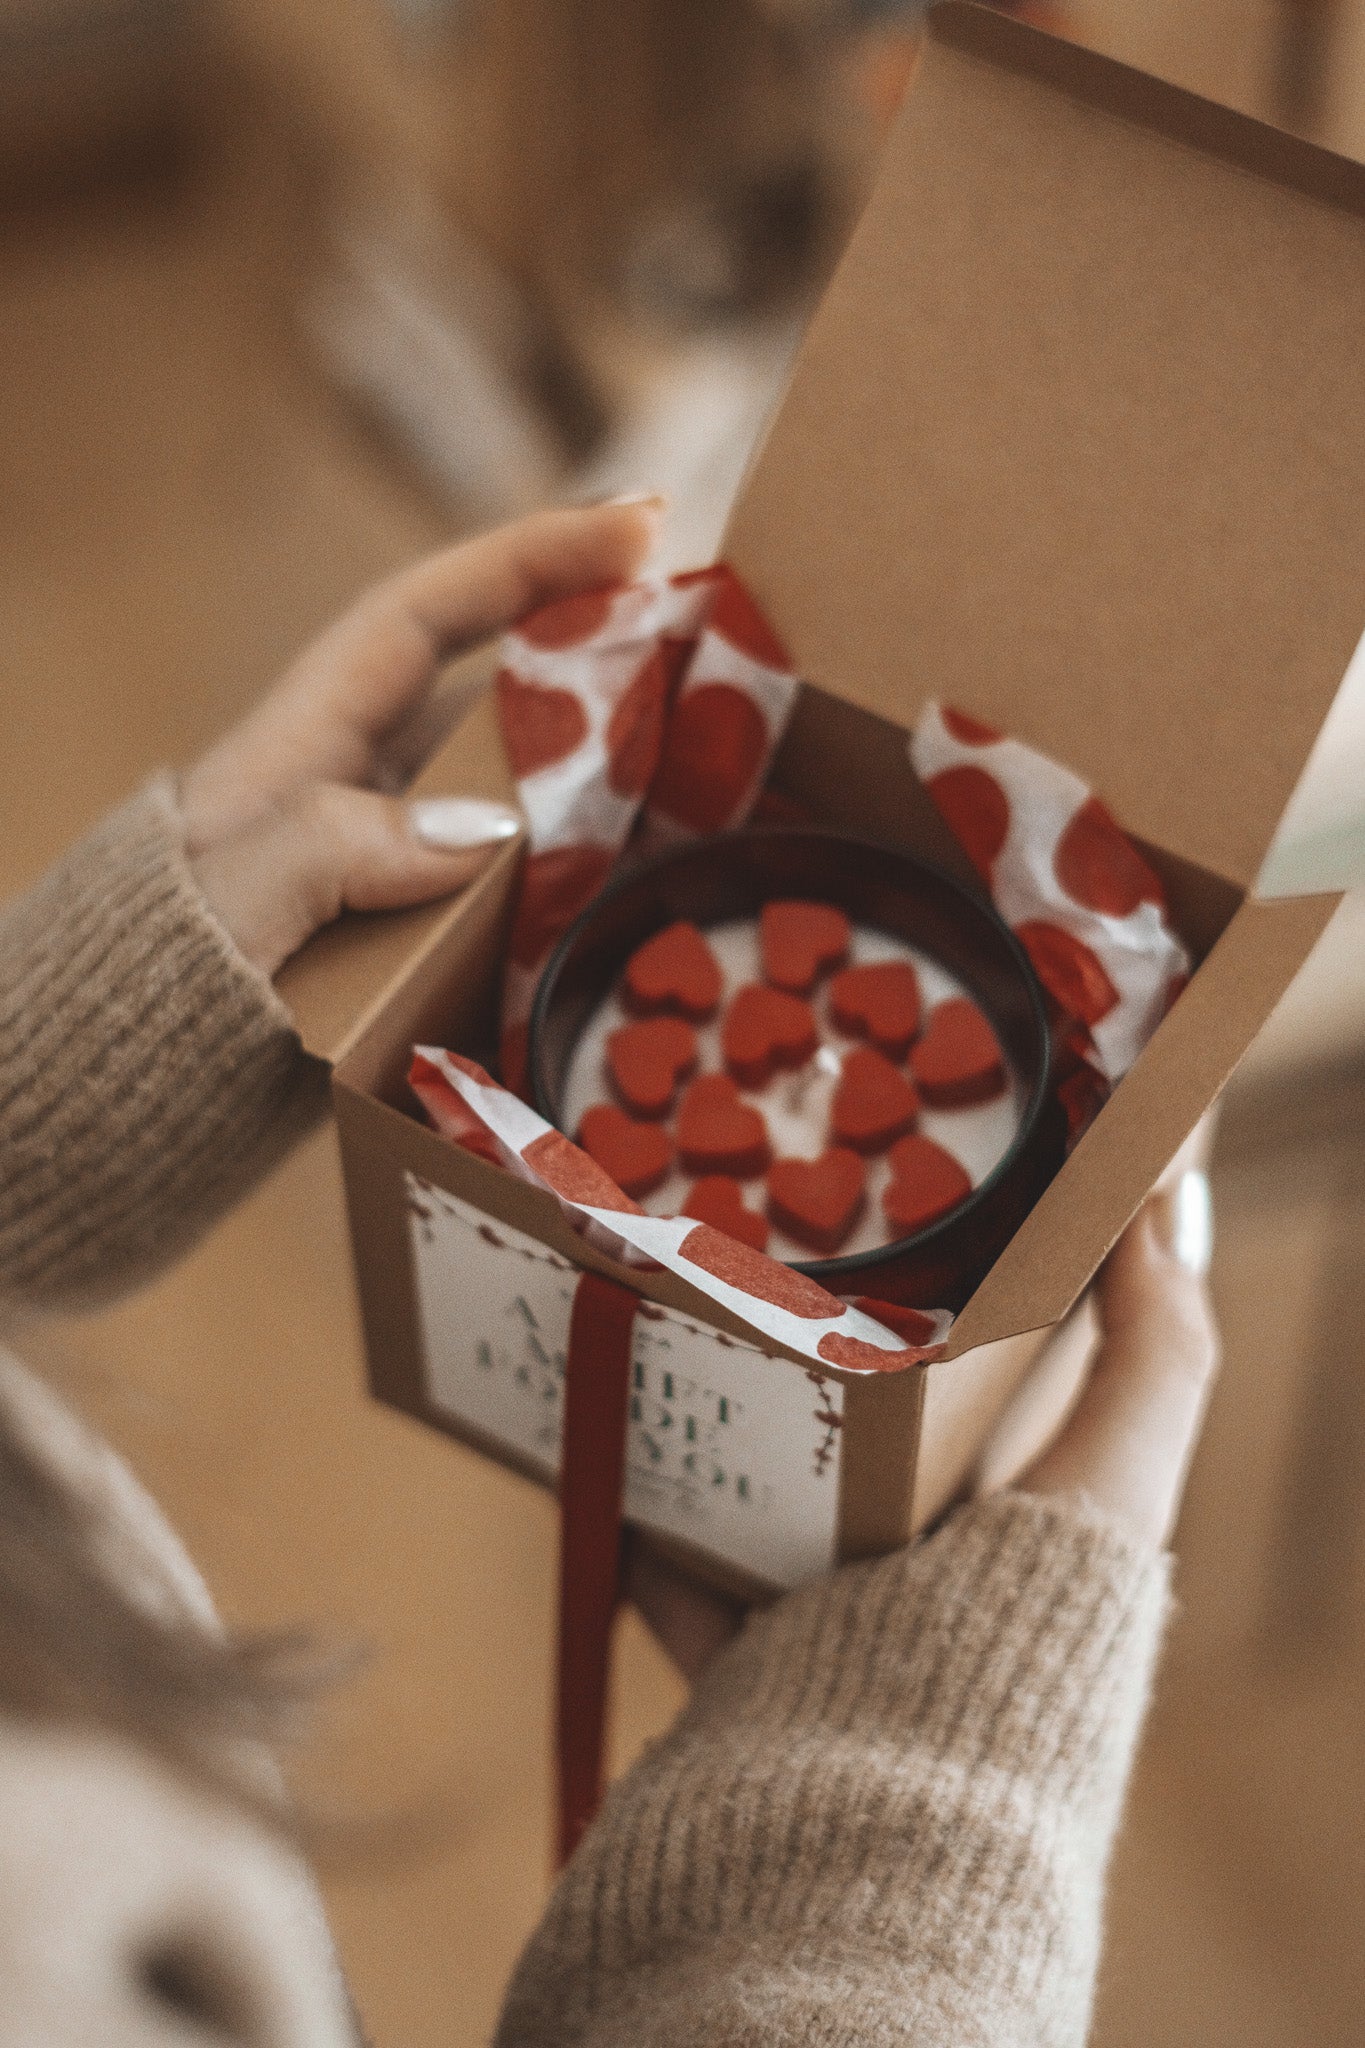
column 727, row 1448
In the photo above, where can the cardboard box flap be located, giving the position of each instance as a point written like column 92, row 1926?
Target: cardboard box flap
column 1078, row 1218
column 342, row 980
column 1076, row 440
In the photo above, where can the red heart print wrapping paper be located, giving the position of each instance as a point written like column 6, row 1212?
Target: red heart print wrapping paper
column 1087, row 908
column 787, row 1306
column 639, row 717
column 646, row 714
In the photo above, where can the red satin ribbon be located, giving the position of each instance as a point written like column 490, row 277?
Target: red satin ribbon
column 591, row 1485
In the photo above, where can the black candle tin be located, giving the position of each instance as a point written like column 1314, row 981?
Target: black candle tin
column 711, row 881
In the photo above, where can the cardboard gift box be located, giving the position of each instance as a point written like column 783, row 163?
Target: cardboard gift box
column 1075, row 443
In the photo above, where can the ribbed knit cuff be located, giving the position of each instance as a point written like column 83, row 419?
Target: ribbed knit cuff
column 148, row 1073
column 901, row 1783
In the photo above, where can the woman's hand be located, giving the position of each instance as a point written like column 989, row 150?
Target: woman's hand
column 1124, row 1449
column 295, row 816
column 688, row 1620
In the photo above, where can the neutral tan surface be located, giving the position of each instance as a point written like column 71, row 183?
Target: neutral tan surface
column 177, row 507
column 176, row 511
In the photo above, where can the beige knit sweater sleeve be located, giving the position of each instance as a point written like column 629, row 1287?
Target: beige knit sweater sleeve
column 148, row 1074
column 885, row 1816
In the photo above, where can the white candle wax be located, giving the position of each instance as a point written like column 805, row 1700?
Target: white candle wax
column 796, row 1105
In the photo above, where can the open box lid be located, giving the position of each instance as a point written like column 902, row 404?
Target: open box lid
column 1076, row 439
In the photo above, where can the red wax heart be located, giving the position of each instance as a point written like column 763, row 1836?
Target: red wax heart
column 675, row 970
column 801, row 940
column 879, row 1001
column 925, row 1182
column 958, row 1061
column 817, row 1201
column 646, row 1061
column 720, row 1133
column 637, row 1156
column 766, row 1029
column 873, row 1103
column 716, row 1200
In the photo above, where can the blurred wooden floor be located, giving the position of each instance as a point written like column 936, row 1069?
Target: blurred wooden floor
column 178, row 508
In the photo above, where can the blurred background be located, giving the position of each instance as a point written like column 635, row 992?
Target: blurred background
column 293, row 289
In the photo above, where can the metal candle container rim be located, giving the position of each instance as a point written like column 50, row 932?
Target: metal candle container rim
column 828, row 1271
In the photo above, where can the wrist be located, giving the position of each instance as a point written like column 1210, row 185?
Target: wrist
column 210, row 810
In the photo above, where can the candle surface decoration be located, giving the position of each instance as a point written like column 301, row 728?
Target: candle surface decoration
column 802, row 1122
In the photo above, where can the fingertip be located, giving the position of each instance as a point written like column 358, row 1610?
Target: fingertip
column 482, row 585
column 460, row 824
column 365, row 851
column 1182, row 1221
column 413, row 875
column 653, row 504
column 1153, row 1288
column 444, row 844
column 1155, row 1275
column 632, row 521
column 1174, row 1227
column 453, row 866
column 648, row 506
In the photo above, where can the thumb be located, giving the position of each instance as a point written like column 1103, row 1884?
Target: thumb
column 332, row 848
column 1127, row 1445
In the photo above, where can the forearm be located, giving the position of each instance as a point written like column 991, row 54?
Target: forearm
column 147, row 1073
column 885, row 1815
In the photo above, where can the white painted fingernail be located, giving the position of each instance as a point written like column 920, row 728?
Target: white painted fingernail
column 456, row 823
column 654, row 498
column 1185, row 1221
